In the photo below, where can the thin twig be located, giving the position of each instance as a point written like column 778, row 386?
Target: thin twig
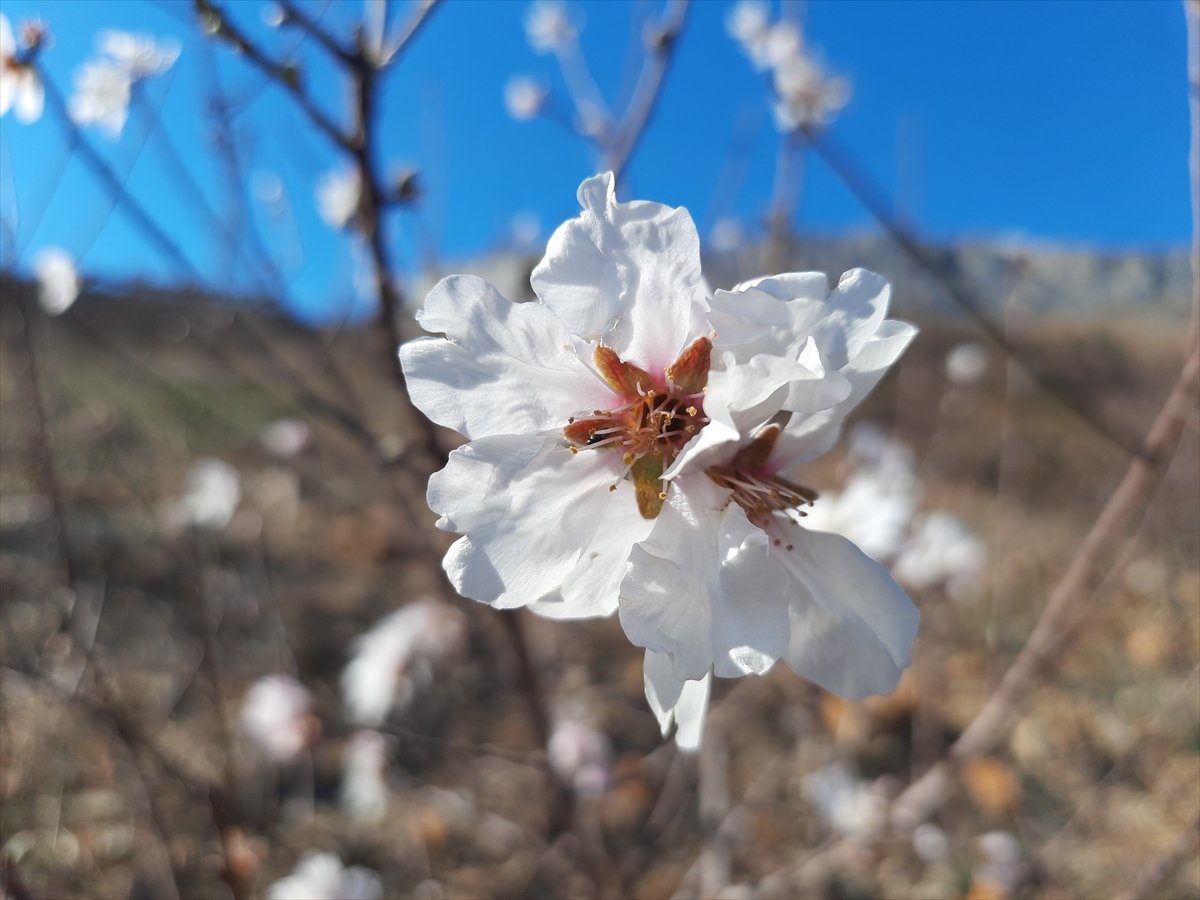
column 113, row 182
column 1117, row 521
column 648, row 90
column 286, row 75
column 1185, row 848
column 854, row 177
column 309, row 26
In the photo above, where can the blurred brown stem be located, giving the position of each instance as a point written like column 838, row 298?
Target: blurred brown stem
column 1117, row 522
column 847, row 169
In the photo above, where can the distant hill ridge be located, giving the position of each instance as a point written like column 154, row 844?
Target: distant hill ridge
column 1010, row 281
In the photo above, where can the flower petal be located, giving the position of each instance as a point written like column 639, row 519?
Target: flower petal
column 527, row 509
column 30, row 96
column 627, row 273
column 807, row 437
column 592, row 587
column 852, row 626
column 503, row 367
column 683, row 703
column 703, row 589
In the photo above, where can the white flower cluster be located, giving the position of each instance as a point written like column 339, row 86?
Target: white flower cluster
column 877, row 509
column 804, row 95
column 394, row 660
column 276, row 717
column 321, row 876
column 633, row 447
column 339, row 194
column 104, row 86
column 21, row 88
column 57, row 279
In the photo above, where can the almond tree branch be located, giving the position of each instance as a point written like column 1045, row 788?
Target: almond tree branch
column 1117, row 522
column 854, row 177
column 141, row 218
column 311, row 27
column 660, row 52
column 287, row 75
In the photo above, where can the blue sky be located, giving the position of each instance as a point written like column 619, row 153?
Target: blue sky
column 1054, row 121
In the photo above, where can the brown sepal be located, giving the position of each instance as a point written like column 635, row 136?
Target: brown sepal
column 625, row 378
column 689, row 373
column 755, row 454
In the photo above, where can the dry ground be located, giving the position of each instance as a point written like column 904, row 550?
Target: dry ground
column 1100, row 778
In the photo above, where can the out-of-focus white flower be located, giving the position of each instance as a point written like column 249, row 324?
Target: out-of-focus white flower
column 658, row 488
column 726, row 235
column 524, row 97
column 364, row 790
column 966, row 363
column 1002, row 866
column 321, row 876
column 871, row 447
column 273, row 15
column 210, row 496
column 285, row 438
column 140, row 55
column 58, row 280
column 748, row 23
column 525, row 229
column 101, row 97
column 581, row 757
column 873, row 510
column 549, row 26
column 782, row 44
column 942, row 550
column 20, row 86
column 848, row 805
column 395, row 659
column 338, row 196
column 929, row 842
column 104, row 86
column 276, row 716
column 805, row 95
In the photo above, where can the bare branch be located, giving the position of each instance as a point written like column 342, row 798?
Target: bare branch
column 1090, row 565
column 649, row 88
column 113, row 183
column 311, row 27
column 873, row 200
column 287, row 75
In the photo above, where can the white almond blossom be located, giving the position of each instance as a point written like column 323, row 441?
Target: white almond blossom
column 210, row 497
column 104, row 86
column 58, row 280
column 138, row 54
column 966, row 363
column 847, row 804
column 321, row 876
column 21, row 87
column 942, row 551
column 364, row 794
column 276, row 716
column 101, row 97
column 285, row 438
column 633, row 446
column 549, row 26
column 523, row 98
column 338, row 196
column 581, row 757
column 394, row 660
column 748, row 23
column 805, row 95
